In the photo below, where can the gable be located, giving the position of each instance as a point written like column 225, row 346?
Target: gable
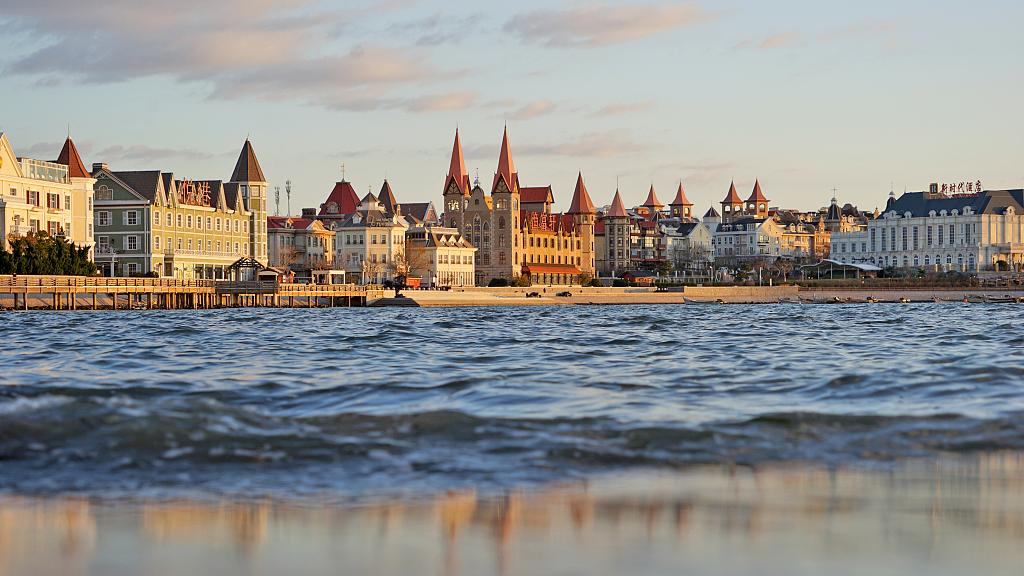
column 109, row 187
column 9, row 165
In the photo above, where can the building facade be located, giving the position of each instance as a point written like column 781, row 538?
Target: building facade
column 300, row 244
column 54, row 197
column 439, row 257
column 939, row 232
column 148, row 222
column 513, row 228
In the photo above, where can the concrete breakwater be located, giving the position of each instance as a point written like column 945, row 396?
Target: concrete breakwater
column 729, row 294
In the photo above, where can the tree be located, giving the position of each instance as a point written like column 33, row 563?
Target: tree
column 40, row 253
column 584, row 278
column 410, row 259
column 371, row 270
column 522, row 281
column 690, row 256
column 664, row 267
column 783, row 266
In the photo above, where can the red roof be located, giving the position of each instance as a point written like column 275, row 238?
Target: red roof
column 680, row 199
column 599, row 227
column 70, row 158
column 457, row 170
column 652, row 199
column 505, row 167
column 732, row 197
column 281, row 222
column 581, row 203
column 617, row 208
column 756, row 195
column 535, row 194
column 344, row 196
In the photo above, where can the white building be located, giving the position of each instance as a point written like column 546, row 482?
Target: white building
column 759, row 238
column 930, row 230
column 55, row 197
column 440, row 257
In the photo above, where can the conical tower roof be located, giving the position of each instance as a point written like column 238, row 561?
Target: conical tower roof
column 652, row 199
column 70, row 158
column 370, row 198
column 247, row 169
column 680, row 199
column 712, row 213
column 505, row 168
column 581, row 203
column 732, row 197
column 457, row 170
column 387, row 198
column 617, row 209
column 755, row 195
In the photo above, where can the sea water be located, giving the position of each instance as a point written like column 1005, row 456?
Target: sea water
column 569, row 439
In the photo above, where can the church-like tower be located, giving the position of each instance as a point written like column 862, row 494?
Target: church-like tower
column 757, row 204
column 456, row 188
column 253, row 187
column 732, row 206
column 680, row 207
column 582, row 211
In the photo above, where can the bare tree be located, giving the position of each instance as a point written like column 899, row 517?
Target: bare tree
column 410, row 259
column 783, row 266
column 690, row 257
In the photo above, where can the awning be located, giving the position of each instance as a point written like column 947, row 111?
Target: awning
column 551, row 270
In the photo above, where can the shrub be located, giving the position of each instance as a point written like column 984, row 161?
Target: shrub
column 497, row 283
column 522, row 281
column 620, row 283
column 596, row 283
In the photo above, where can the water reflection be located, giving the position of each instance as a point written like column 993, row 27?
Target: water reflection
column 948, row 516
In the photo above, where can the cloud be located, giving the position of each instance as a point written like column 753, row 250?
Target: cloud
column 438, row 28
column 864, row 27
column 266, row 49
column 779, row 40
column 621, row 109
column 598, row 24
column 534, row 109
column 145, row 153
column 591, row 145
column 459, row 100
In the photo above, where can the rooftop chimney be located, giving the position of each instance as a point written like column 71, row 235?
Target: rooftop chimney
column 97, row 166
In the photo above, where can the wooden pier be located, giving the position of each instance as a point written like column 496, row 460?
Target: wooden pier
column 68, row 292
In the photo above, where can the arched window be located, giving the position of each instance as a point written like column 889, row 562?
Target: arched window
column 487, row 226
column 949, row 258
column 915, row 260
column 906, row 262
column 501, row 258
column 501, row 241
column 959, row 258
column 476, row 224
column 501, row 223
column 762, row 207
column 926, row 259
column 970, row 262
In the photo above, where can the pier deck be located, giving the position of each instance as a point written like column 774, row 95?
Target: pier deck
column 75, row 292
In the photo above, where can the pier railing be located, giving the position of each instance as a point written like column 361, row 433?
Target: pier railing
column 98, row 281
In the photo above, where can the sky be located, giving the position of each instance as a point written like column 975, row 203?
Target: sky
column 811, row 98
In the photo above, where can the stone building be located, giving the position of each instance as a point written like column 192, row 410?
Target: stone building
column 930, row 230
column 513, row 228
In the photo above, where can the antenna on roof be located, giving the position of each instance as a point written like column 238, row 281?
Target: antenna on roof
column 288, row 191
column 342, row 172
column 277, row 200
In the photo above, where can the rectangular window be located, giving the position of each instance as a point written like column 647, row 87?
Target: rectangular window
column 236, row 247
column 103, row 243
column 179, row 243
column 199, row 222
column 188, row 221
column 218, row 224
column 863, row 246
column 928, row 239
column 236, row 226
column 967, row 234
column 14, row 191
column 208, row 222
column 952, row 234
column 872, row 239
column 892, row 239
column 179, row 220
column 156, row 242
column 373, row 238
column 131, row 217
column 915, row 238
column 189, row 243
column 32, row 197
column 170, row 242
column 209, row 245
column 67, row 202
column 156, row 218
column 940, row 234
column 103, row 218
column 133, row 268
column 52, row 228
column 131, row 243
column 904, row 238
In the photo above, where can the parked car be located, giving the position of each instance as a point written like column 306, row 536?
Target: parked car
column 565, row 294
column 533, row 295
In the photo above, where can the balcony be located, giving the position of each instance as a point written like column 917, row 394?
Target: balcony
column 19, row 230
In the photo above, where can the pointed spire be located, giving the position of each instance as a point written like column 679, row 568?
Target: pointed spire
column 755, row 195
column 247, row 169
column 652, row 200
column 712, row 213
column 581, row 203
column 457, row 170
column 505, row 167
column 732, row 197
column 617, row 208
column 387, row 199
column 680, row 199
column 70, row 158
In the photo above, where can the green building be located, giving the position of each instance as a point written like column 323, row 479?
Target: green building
column 149, row 222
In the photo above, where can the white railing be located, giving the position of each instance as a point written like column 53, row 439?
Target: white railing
column 176, row 252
